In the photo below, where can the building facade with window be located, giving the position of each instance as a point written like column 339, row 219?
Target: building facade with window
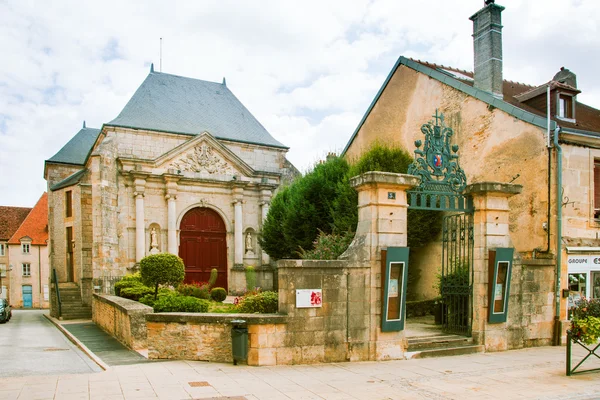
column 10, row 220
column 185, row 168
column 538, row 136
column 28, row 256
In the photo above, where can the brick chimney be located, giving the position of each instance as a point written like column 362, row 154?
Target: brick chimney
column 487, row 44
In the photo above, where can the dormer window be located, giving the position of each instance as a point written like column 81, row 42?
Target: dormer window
column 565, row 107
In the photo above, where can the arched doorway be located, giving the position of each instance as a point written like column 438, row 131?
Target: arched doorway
column 203, row 245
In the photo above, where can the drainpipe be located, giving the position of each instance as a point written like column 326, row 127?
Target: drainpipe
column 557, row 333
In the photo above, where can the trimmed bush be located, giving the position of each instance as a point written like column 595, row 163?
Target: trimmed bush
column 213, row 277
column 218, row 294
column 199, row 291
column 128, row 281
column 263, row 303
column 250, row 278
column 136, row 292
column 161, row 269
column 149, row 299
column 175, row 303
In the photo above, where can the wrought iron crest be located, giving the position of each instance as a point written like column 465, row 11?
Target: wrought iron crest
column 437, row 162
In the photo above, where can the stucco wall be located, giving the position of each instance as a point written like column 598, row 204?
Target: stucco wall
column 38, row 280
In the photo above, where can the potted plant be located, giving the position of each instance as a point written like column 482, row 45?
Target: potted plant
column 585, row 321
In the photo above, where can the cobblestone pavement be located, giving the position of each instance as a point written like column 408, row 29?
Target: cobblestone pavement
column 536, row 373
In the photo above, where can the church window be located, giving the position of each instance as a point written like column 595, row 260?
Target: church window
column 68, row 204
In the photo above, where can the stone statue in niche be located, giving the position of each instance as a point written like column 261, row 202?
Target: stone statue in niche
column 154, row 242
column 249, row 247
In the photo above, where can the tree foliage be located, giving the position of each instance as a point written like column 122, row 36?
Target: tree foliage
column 322, row 203
column 161, row 269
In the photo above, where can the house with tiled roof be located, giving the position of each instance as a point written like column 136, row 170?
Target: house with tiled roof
column 28, row 255
column 10, row 220
column 184, row 168
column 538, row 136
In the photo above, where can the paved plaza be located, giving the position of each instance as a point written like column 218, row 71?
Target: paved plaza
column 536, row 373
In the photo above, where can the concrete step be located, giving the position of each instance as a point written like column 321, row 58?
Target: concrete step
column 444, row 352
column 437, row 341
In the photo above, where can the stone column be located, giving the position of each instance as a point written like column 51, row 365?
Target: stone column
column 382, row 222
column 265, row 202
column 238, row 194
column 491, row 230
column 140, row 237
column 171, row 197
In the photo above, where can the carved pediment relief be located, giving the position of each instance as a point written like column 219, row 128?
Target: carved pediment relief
column 202, row 158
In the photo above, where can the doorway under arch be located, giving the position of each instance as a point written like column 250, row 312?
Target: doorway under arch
column 203, row 245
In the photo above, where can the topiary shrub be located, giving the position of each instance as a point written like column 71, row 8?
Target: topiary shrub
column 177, row 303
column 161, row 269
column 198, row 290
column 250, row 278
column 218, row 294
column 263, row 303
column 213, row 277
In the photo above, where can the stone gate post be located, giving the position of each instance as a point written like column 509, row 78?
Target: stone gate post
column 382, row 222
column 491, row 230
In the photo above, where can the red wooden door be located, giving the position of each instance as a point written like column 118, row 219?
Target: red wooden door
column 203, row 246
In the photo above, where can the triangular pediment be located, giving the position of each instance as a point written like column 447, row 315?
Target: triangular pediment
column 203, row 155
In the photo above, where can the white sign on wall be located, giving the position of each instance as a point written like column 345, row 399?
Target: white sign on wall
column 309, row 298
column 577, row 262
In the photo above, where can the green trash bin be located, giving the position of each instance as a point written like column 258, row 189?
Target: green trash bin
column 239, row 340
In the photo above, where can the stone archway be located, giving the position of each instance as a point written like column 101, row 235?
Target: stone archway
column 203, row 245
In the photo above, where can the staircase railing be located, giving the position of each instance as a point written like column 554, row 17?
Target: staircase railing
column 57, row 290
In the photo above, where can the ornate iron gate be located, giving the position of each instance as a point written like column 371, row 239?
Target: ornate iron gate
column 456, row 282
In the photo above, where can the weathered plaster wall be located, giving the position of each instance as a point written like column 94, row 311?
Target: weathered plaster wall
column 38, row 280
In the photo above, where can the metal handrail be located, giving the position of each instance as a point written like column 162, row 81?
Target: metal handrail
column 57, row 290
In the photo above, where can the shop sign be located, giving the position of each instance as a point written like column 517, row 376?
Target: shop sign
column 576, row 261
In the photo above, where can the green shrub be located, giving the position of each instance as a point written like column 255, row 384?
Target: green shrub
column 149, row 299
column 198, row 290
column 136, row 292
column 177, row 303
column 328, row 246
column 263, row 303
column 128, row 281
column 161, row 269
column 213, row 277
column 218, row 294
column 250, row 278
column 585, row 321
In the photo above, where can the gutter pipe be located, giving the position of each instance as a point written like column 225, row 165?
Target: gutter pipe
column 557, row 330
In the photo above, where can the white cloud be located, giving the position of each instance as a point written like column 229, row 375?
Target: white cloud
column 307, row 70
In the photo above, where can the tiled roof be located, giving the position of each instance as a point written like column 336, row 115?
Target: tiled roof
column 10, row 220
column 77, row 149
column 175, row 104
column 35, row 225
column 587, row 118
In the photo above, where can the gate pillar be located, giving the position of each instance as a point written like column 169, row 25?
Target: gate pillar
column 491, row 230
column 382, row 222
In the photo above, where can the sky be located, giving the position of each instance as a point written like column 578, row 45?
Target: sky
column 307, row 70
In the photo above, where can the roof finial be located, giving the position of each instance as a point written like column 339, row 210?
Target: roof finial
column 84, row 124
column 152, row 68
column 224, row 82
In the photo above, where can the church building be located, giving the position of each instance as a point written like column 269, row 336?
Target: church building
column 185, row 168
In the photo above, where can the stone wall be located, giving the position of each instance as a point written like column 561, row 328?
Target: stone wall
column 122, row 318
column 207, row 337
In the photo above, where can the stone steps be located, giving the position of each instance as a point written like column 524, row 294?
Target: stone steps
column 71, row 303
column 441, row 346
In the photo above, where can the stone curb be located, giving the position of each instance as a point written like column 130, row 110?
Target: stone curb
column 77, row 343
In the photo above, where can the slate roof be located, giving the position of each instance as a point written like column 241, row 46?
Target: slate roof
column 77, row 149
column 69, row 181
column 35, row 224
column 587, row 118
column 10, row 220
column 171, row 103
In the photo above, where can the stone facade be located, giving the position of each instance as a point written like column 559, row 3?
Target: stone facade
column 123, row 319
